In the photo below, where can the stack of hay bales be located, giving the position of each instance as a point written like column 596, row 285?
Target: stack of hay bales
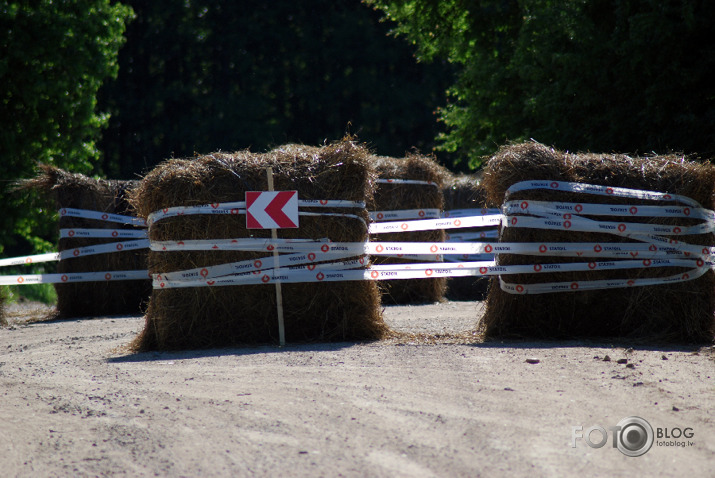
column 401, row 196
column 464, row 191
column 680, row 312
column 239, row 314
column 82, row 299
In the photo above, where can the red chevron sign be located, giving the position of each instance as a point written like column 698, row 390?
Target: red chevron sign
column 271, row 209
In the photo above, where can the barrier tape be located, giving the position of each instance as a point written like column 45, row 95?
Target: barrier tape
column 405, row 214
column 107, row 233
column 73, row 277
column 253, row 265
column 469, row 257
column 69, row 233
column 552, row 208
column 471, row 212
column 430, row 224
column 416, row 271
column 600, row 190
column 102, row 216
column 239, row 207
column 405, row 181
column 472, row 236
column 564, row 249
column 104, row 248
column 567, row 216
column 626, row 229
column 549, row 287
column 26, row 260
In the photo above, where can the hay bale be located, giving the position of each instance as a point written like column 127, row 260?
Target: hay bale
column 679, row 312
column 397, row 196
column 228, row 315
column 464, row 191
column 82, row 299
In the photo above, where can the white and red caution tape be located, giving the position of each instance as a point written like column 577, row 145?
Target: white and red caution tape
column 102, row 216
column 103, row 233
column 27, row 260
column 431, row 224
column 600, row 191
column 324, row 261
column 417, row 182
column 140, row 242
column 405, row 214
column 239, row 208
column 73, row 277
column 471, row 212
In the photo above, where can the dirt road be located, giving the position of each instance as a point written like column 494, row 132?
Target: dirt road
column 73, row 402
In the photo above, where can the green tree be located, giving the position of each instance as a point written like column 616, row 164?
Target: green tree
column 54, row 56
column 600, row 75
column 211, row 75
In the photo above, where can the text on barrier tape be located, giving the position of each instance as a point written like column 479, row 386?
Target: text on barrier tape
column 73, row 277
column 239, row 208
column 102, row 216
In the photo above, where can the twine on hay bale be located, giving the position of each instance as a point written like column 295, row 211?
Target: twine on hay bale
column 464, row 191
column 677, row 312
column 228, row 315
column 397, row 196
column 82, row 299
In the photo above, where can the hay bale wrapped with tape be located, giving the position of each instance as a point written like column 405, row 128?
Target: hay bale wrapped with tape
column 179, row 318
column 399, row 196
column 81, row 299
column 464, row 191
column 679, row 312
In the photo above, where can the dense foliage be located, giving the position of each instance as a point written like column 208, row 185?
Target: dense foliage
column 54, row 56
column 600, row 75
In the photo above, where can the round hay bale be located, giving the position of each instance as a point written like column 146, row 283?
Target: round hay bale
column 82, row 299
column 400, row 196
column 677, row 312
column 229, row 315
column 464, row 191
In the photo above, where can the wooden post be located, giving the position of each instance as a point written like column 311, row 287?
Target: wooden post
column 276, row 264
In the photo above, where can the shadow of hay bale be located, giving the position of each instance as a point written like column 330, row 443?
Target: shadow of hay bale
column 87, row 299
column 222, row 316
column 399, row 196
column 678, row 312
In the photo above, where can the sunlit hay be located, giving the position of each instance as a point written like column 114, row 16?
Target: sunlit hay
column 81, row 299
column 679, row 312
column 228, row 315
column 464, row 191
column 397, row 196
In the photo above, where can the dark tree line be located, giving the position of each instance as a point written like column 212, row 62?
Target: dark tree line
column 200, row 76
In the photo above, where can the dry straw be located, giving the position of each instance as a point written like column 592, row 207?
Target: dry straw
column 679, row 312
column 228, row 315
column 464, row 191
column 397, row 196
column 81, row 299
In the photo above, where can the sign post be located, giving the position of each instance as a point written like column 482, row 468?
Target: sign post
column 276, row 264
column 273, row 210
